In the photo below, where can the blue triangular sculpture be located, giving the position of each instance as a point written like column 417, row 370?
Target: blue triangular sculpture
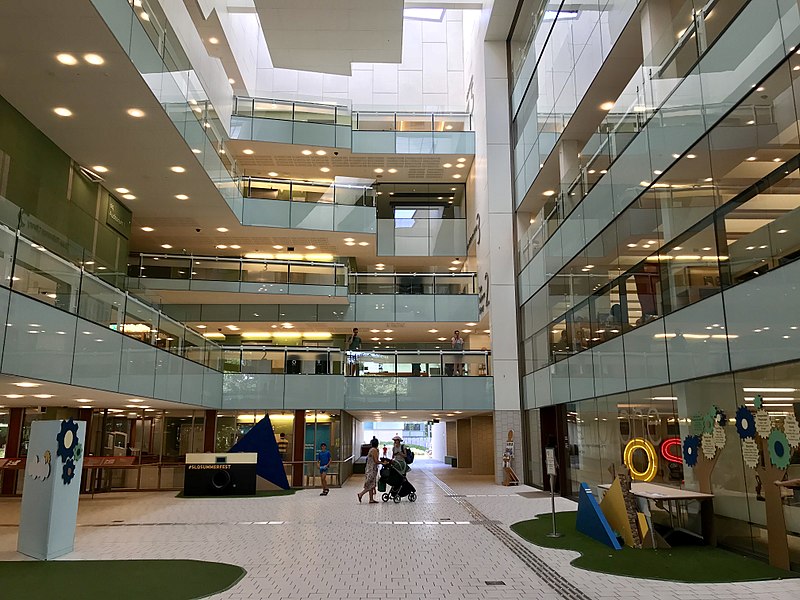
column 592, row 522
column 261, row 439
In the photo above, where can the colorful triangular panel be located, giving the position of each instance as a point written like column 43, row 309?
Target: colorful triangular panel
column 261, row 440
column 592, row 522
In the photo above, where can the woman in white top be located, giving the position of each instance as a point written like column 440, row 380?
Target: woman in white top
column 370, row 473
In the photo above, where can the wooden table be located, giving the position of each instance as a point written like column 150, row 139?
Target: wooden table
column 647, row 492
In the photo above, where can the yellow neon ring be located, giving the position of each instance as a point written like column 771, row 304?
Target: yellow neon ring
column 652, row 459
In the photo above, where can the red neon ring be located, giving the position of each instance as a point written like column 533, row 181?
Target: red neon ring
column 668, row 443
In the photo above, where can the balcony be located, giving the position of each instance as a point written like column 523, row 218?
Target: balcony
column 307, row 205
column 168, row 274
column 337, row 126
column 267, row 377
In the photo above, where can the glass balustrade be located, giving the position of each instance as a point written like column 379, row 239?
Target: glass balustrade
column 413, row 283
column 253, row 274
column 30, row 269
column 305, row 360
column 307, row 191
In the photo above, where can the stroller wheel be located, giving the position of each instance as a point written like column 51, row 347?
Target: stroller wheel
column 385, row 497
column 396, row 499
column 412, row 497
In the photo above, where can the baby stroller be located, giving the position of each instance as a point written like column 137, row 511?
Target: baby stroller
column 400, row 487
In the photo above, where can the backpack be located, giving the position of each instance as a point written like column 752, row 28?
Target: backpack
column 409, row 455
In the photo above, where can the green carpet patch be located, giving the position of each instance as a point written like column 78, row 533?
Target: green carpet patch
column 118, row 579
column 685, row 564
column 258, row 494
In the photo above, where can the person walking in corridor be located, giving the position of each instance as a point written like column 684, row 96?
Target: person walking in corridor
column 324, row 460
column 370, row 473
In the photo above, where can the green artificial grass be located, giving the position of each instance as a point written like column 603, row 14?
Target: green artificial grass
column 258, row 494
column 686, row 564
column 118, row 579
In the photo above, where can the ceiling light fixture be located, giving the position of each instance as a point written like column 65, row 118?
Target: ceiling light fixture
column 392, row 171
column 181, row 196
column 379, row 170
column 122, row 190
column 247, row 151
column 447, row 165
column 320, row 153
column 549, row 193
column 307, row 152
column 177, row 169
column 213, row 40
column 66, row 59
column 222, row 229
column 457, row 176
column 129, row 197
column 62, row 111
column 148, row 229
column 325, row 170
column 30, row 384
column 100, row 169
column 607, row 106
column 166, row 246
column 363, row 243
column 311, row 247
column 136, row 113
column 272, row 174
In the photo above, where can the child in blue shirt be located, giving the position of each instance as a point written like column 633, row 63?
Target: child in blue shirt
column 324, row 460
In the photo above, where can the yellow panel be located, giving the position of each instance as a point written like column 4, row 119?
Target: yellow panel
column 613, row 507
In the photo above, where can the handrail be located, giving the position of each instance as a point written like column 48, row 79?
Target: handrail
column 416, row 274
column 258, row 261
column 365, row 194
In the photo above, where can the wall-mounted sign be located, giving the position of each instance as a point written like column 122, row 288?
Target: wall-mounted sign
column 119, row 217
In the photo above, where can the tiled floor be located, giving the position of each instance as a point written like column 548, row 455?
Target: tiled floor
column 308, row 547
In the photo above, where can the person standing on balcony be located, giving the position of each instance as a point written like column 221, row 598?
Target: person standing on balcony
column 353, row 346
column 457, row 344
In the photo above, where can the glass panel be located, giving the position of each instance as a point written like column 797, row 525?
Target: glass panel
column 42, row 275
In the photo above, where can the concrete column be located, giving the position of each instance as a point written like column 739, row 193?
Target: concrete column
column 658, row 37
column 568, row 162
column 299, row 447
column 464, row 437
column 451, row 439
column 482, row 445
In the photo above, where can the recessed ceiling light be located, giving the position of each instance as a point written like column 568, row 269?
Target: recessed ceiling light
column 278, row 247
column 221, row 246
column 776, row 160
column 470, row 324
column 62, row 111
column 549, row 193
column 349, row 243
column 325, row 169
column 441, row 339
column 213, row 40
column 129, row 197
column 202, row 326
column 247, row 151
column 177, row 169
column 462, row 159
column 66, row 59
column 455, row 262
column 460, row 166
column 272, row 174
column 433, row 331
column 379, row 170
column 222, row 229
column 606, row 106
column 122, row 190
column 307, row 152
column 363, row 243
column 14, row 396
column 447, row 165
column 311, row 247
column 43, row 396
column 380, row 265
column 392, row 170
column 181, row 196
column 691, row 156
column 235, row 246
column 708, row 179
column 751, row 158
column 166, row 246
column 100, row 169
column 388, row 339
column 148, row 229
column 26, row 384
column 349, row 240
column 320, row 153
column 137, row 113
column 457, row 176
column 453, row 268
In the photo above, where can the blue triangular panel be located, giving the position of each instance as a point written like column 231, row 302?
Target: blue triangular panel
column 592, row 522
column 261, row 439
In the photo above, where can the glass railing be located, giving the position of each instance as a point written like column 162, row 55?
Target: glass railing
column 283, row 360
column 304, row 360
column 339, row 114
column 30, row 269
column 289, row 110
column 307, row 191
column 262, row 274
column 411, row 121
column 413, row 283
column 418, row 363
column 422, row 237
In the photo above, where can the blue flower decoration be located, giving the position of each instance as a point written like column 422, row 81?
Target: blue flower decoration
column 691, row 450
column 745, row 423
column 780, row 453
column 67, row 438
column 68, row 471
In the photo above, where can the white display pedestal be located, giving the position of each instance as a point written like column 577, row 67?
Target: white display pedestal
column 52, row 486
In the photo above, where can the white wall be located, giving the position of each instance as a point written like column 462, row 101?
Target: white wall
column 438, row 441
column 430, row 76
